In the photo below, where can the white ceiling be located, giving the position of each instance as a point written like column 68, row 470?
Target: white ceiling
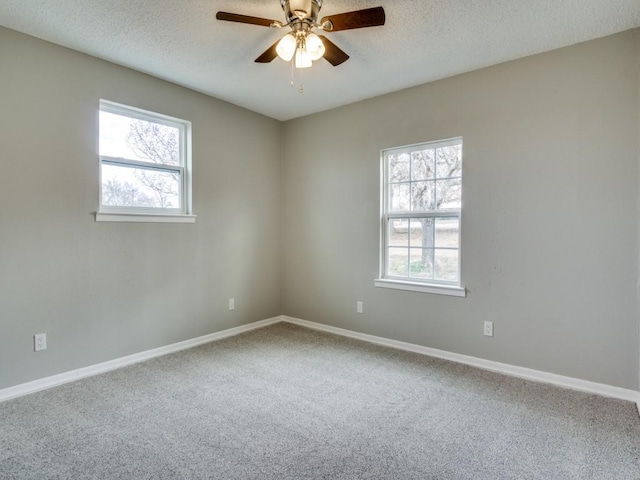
column 423, row 40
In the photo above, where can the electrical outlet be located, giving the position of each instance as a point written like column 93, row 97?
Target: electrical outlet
column 232, row 304
column 359, row 307
column 488, row 329
column 40, row 342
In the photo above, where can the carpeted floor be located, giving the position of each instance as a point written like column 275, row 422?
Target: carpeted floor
column 285, row 402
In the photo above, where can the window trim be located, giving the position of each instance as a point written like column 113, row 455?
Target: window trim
column 144, row 217
column 453, row 288
column 184, row 214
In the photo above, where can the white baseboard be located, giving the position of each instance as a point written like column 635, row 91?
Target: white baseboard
column 511, row 370
column 66, row 377
column 526, row 373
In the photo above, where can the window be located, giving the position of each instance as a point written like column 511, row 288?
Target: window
column 421, row 206
column 144, row 166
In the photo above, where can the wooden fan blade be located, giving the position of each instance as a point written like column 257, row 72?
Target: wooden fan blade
column 234, row 17
column 332, row 53
column 369, row 17
column 269, row 54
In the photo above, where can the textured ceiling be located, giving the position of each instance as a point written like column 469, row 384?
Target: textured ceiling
column 423, row 40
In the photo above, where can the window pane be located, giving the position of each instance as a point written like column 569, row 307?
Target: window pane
column 446, row 234
column 422, row 196
column 421, row 263
column 422, row 232
column 449, row 161
column 398, row 233
column 398, row 167
column 446, row 265
column 448, row 194
column 424, row 187
column 125, row 137
column 139, row 187
column 423, row 164
column 398, row 262
column 399, row 198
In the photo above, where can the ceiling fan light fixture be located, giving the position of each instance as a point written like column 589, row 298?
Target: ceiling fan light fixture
column 314, row 46
column 286, row 47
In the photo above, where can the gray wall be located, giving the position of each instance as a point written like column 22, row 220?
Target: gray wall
column 550, row 216
column 550, row 212
column 104, row 290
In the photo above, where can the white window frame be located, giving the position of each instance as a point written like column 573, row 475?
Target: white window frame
column 109, row 213
column 410, row 283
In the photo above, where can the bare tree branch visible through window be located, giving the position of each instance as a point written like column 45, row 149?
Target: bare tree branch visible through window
column 424, row 180
column 158, row 144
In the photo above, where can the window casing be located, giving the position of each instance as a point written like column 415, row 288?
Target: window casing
column 421, row 212
column 145, row 165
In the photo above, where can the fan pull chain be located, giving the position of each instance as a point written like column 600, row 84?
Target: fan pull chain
column 301, row 87
column 293, row 69
column 293, row 59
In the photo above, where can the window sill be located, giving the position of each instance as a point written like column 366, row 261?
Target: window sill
column 144, row 217
column 421, row 287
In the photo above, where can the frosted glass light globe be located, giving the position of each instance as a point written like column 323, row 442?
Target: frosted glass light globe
column 303, row 59
column 286, row 47
column 315, row 47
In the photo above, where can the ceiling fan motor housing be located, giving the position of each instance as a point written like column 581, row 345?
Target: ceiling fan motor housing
column 301, row 10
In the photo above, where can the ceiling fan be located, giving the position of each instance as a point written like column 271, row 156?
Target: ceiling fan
column 302, row 17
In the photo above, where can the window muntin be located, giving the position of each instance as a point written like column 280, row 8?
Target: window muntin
column 422, row 201
column 143, row 161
